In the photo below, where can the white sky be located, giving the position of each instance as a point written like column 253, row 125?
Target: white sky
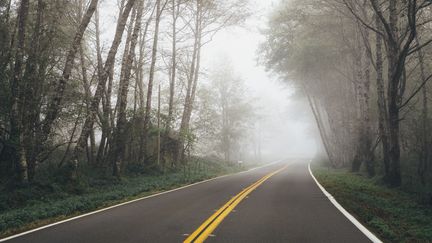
column 285, row 132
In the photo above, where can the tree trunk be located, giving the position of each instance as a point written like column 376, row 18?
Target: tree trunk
column 175, row 15
column 88, row 95
column 358, row 77
column 106, row 104
column 424, row 154
column 192, row 81
column 123, row 93
column 397, row 48
column 140, row 85
column 17, row 129
column 367, row 151
column 321, row 129
column 147, row 115
column 91, row 116
column 54, row 105
column 33, row 77
column 394, row 176
column 381, row 99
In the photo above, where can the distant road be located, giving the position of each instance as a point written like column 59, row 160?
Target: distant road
column 277, row 203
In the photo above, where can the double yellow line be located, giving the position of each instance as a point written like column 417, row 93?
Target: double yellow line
column 203, row 232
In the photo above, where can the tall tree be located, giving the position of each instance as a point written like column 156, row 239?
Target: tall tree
column 123, row 92
column 175, row 15
column 94, row 106
column 152, row 72
column 17, row 129
column 397, row 48
column 54, row 105
column 209, row 17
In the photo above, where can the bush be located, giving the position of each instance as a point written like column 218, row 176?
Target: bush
column 51, row 198
column 394, row 215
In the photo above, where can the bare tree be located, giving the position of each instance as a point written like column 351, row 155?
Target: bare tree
column 54, row 105
column 147, row 116
column 123, row 92
column 108, row 66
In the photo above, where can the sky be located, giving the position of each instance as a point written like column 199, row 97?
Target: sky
column 285, row 129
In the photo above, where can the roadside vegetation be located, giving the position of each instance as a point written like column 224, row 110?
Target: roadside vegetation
column 105, row 101
column 51, row 198
column 393, row 214
column 364, row 68
column 125, row 87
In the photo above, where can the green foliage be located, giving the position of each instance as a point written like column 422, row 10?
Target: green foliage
column 51, row 198
column 394, row 215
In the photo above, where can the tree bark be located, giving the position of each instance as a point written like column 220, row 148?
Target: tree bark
column 33, row 77
column 318, row 120
column 17, row 129
column 91, row 116
column 358, row 77
column 397, row 48
column 394, row 176
column 147, row 115
column 140, row 85
column 424, row 158
column 381, row 99
column 123, row 94
column 192, row 81
column 368, row 150
column 54, row 105
column 88, row 95
column 175, row 14
column 106, row 104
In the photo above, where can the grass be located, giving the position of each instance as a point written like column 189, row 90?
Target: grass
column 393, row 215
column 47, row 202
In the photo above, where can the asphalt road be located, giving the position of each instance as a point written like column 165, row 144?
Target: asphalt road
column 288, row 207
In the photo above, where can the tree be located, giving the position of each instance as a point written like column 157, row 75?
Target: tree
column 55, row 103
column 159, row 11
column 58, row 82
column 17, row 129
column 225, row 114
column 91, row 115
column 398, row 47
column 209, row 17
column 123, row 91
column 331, row 59
column 234, row 110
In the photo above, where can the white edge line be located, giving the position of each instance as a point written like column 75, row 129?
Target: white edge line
column 351, row 218
column 129, row 202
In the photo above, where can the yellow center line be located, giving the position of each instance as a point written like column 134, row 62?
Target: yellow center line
column 206, row 228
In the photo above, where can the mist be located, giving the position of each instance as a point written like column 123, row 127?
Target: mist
column 285, row 127
column 171, row 112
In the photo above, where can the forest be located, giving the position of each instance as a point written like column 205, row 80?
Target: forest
column 69, row 99
column 97, row 97
column 103, row 102
column 364, row 68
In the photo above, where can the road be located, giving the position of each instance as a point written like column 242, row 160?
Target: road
column 285, row 207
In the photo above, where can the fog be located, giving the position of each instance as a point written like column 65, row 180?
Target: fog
column 102, row 101
column 286, row 126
